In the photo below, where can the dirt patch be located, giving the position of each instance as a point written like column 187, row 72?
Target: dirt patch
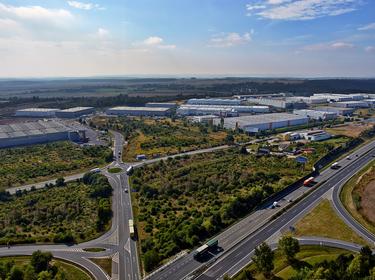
column 350, row 130
column 368, row 201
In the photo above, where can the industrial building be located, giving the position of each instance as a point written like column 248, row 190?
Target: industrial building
column 370, row 102
column 341, row 97
column 279, row 103
column 308, row 100
column 256, row 123
column 37, row 113
column 214, row 101
column 351, row 104
column 203, row 119
column 28, row 133
column 139, row 111
column 338, row 110
column 190, row 110
column 75, row 112
column 197, row 110
column 161, row 104
column 316, row 114
column 316, row 135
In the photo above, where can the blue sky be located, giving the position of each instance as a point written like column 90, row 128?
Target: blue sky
column 301, row 38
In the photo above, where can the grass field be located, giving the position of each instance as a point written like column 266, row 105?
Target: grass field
column 357, row 196
column 59, row 214
column 37, row 163
column 104, row 263
column 71, row 272
column 115, row 170
column 323, row 221
column 160, row 137
column 308, row 254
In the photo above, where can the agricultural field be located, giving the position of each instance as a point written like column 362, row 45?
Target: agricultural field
column 62, row 213
column 160, row 137
column 31, row 164
column 358, row 196
column 34, row 267
column 182, row 201
column 308, row 256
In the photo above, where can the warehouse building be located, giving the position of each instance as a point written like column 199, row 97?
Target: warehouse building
column 338, row 110
column 29, row 133
column 37, row 113
column 279, row 103
column 207, row 119
column 351, row 104
column 214, row 101
column 316, row 114
column 196, row 110
column 341, row 97
column 309, row 100
column 316, row 135
column 191, row 110
column 161, row 104
column 139, row 111
column 256, row 123
column 75, row 112
column 370, row 102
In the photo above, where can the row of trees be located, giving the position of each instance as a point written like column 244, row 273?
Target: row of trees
column 344, row 267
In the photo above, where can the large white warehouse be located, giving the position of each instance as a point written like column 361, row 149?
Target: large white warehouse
column 37, row 132
column 75, row 112
column 37, row 112
column 214, row 101
column 191, row 110
column 351, row 104
column 316, row 114
column 256, row 123
column 138, row 111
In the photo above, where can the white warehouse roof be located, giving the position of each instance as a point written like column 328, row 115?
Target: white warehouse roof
column 126, row 108
column 38, row 110
column 77, row 109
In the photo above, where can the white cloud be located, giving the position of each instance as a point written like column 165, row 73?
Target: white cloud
column 102, row 33
column 370, row 49
column 84, row 6
column 370, row 26
column 36, row 15
column 230, row 39
column 302, row 9
column 329, row 46
column 153, row 41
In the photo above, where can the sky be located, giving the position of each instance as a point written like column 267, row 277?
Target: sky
column 266, row 38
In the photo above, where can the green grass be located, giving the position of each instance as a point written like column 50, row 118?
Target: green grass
column 72, row 272
column 114, row 170
column 323, row 221
column 49, row 215
column 94, row 249
column 309, row 254
column 32, row 164
column 351, row 190
column 104, row 263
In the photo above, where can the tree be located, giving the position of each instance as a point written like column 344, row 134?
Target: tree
column 289, row 247
column 45, row 275
column 60, row 182
column 40, row 260
column 263, row 259
column 151, row 260
column 15, row 273
column 243, row 150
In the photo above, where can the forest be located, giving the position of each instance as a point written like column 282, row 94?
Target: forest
column 26, row 165
column 61, row 213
